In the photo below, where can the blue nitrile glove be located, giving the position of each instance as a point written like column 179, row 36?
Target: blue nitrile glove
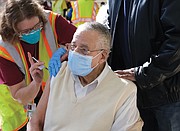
column 55, row 62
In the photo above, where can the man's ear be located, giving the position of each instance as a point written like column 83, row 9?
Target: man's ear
column 104, row 57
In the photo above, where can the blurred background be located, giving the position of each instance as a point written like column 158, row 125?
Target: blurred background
column 47, row 3
column 2, row 3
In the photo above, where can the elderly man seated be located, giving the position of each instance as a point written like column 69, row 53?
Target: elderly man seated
column 86, row 95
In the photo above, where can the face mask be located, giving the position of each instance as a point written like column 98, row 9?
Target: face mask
column 33, row 37
column 79, row 64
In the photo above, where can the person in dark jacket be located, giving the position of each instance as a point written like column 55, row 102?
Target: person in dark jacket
column 146, row 50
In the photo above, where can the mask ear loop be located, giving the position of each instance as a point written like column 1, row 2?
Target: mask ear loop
column 95, row 57
column 97, row 54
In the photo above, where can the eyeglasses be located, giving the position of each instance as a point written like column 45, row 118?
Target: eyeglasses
column 81, row 50
column 32, row 30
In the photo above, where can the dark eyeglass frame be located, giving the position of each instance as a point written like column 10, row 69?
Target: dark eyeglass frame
column 38, row 26
column 83, row 51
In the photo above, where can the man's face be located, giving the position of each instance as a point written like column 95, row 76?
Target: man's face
column 86, row 43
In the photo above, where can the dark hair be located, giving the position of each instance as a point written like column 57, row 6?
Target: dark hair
column 15, row 12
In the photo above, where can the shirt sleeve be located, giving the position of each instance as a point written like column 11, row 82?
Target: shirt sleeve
column 127, row 117
column 9, row 73
column 64, row 30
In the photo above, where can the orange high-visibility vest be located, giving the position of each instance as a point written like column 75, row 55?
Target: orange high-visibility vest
column 84, row 11
column 10, row 108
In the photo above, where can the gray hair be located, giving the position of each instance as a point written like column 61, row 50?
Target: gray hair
column 104, row 34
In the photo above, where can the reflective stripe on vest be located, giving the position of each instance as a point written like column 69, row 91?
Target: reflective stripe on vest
column 15, row 53
column 47, row 45
column 95, row 11
column 52, row 19
column 9, row 52
column 81, row 15
column 24, row 61
column 4, row 53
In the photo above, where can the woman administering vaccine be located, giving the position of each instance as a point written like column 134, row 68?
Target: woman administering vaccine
column 26, row 27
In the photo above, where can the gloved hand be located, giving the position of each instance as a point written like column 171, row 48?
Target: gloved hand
column 55, row 62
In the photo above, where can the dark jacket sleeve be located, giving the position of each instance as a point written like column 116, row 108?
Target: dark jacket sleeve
column 166, row 63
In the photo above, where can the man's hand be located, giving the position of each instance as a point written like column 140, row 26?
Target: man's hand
column 55, row 62
column 126, row 74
